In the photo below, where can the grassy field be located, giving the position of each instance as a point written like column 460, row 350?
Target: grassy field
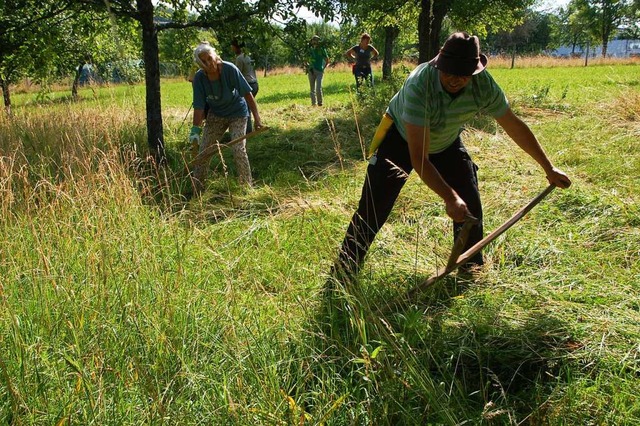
column 124, row 301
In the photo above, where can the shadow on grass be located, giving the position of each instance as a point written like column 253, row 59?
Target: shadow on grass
column 287, row 160
column 302, row 97
column 290, row 159
column 278, row 97
column 435, row 361
column 284, row 161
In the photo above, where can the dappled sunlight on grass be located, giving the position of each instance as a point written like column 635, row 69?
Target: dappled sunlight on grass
column 128, row 300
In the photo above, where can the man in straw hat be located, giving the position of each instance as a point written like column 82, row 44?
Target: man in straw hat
column 421, row 131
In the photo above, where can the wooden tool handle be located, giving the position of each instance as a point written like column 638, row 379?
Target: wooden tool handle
column 464, row 257
column 204, row 156
column 502, row 228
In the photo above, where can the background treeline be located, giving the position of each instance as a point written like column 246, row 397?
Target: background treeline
column 113, row 45
column 121, row 40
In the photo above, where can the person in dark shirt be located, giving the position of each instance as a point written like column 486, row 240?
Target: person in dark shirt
column 362, row 54
column 220, row 88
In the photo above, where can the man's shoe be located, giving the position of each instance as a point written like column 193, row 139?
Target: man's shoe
column 470, row 269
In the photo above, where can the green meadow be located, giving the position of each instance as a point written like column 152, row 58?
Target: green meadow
column 126, row 301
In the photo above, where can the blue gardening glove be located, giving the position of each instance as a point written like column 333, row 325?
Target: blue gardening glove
column 194, row 139
column 194, row 136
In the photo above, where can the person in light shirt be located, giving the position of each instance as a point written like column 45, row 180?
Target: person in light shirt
column 245, row 65
column 421, row 131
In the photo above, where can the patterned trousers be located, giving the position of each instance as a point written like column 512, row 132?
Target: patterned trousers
column 213, row 131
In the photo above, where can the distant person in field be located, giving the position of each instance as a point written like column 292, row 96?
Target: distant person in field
column 421, row 131
column 318, row 59
column 221, row 100
column 362, row 54
column 245, row 65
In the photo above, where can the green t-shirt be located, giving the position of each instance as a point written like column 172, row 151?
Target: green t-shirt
column 317, row 56
column 423, row 102
column 224, row 96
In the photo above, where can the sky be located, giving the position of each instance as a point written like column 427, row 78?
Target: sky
column 542, row 5
column 548, row 5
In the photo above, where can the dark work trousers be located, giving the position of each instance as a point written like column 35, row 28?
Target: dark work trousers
column 383, row 183
column 362, row 73
column 254, row 90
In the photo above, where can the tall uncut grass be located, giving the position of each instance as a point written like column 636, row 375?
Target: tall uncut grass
column 124, row 300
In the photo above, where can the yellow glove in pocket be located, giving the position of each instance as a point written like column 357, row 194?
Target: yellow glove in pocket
column 381, row 132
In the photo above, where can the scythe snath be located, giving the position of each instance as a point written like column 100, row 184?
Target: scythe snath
column 456, row 259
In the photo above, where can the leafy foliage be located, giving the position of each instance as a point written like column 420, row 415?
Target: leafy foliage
column 601, row 18
column 24, row 26
column 531, row 36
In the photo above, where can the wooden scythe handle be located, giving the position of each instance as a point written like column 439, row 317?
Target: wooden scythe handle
column 461, row 241
column 204, row 156
column 464, row 257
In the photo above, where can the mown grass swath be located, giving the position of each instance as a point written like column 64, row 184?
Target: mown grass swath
column 124, row 301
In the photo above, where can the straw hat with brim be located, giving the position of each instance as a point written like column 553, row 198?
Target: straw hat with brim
column 460, row 55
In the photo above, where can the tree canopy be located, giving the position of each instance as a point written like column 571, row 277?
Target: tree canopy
column 218, row 15
column 45, row 39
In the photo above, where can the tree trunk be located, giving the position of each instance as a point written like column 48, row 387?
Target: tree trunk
column 155, row 137
column 513, row 57
column 76, row 82
column 604, row 32
column 4, row 84
column 391, row 32
column 586, row 56
column 432, row 13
